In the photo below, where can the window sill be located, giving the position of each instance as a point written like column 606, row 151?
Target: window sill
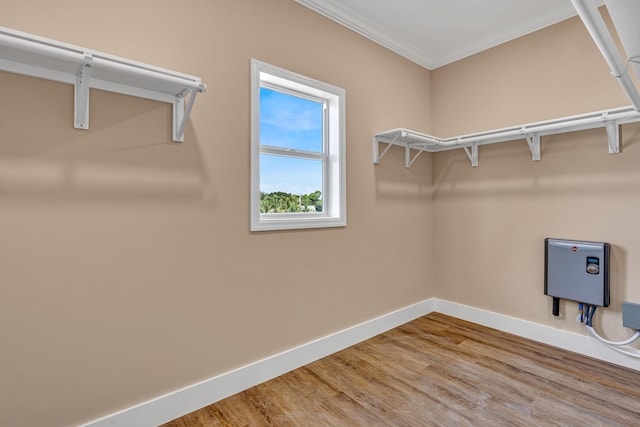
column 279, row 223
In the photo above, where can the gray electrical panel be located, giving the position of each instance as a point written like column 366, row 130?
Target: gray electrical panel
column 577, row 271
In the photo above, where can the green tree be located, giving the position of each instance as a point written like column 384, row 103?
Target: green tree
column 281, row 202
column 311, row 200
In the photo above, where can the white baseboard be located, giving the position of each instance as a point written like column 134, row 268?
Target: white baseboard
column 178, row 403
column 571, row 341
column 181, row 402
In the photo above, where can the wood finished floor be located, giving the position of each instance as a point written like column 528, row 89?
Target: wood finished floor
column 438, row 371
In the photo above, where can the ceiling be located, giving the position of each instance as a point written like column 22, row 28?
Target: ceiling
column 433, row 33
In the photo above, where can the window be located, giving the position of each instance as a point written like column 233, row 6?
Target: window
column 298, row 164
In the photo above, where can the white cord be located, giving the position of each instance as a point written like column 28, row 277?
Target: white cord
column 616, row 345
column 613, row 343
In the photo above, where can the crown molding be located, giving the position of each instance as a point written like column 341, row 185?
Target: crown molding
column 365, row 28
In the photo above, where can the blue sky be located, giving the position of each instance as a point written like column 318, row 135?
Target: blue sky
column 290, row 122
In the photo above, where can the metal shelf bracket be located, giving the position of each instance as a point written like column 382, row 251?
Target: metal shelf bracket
column 81, row 93
column 408, row 160
column 472, row 154
column 534, row 145
column 376, row 149
column 613, row 135
column 180, row 114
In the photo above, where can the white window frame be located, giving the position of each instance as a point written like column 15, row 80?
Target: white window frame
column 334, row 198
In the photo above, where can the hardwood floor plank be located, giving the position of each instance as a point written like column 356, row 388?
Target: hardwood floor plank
column 385, row 398
column 578, row 391
column 438, row 371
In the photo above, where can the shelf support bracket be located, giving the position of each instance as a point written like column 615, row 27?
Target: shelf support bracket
column 472, row 154
column 376, row 150
column 534, row 146
column 180, row 114
column 81, row 93
column 408, row 161
column 613, row 135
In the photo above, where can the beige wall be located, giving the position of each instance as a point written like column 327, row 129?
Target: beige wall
column 128, row 269
column 551, row 73
column 492, row 220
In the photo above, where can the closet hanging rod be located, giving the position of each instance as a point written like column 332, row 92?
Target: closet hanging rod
column 49, row 59
column 565, row 124
column 609, row 119
column 27, row 44
column 592, row 20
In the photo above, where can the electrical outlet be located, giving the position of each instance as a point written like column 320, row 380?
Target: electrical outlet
column 631, row 315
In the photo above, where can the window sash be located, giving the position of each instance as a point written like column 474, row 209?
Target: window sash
column 291, row 152
column 309, row 97
column 323, row 213
column 302, row 154
column 294, row 92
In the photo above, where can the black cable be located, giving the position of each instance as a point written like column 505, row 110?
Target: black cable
column 592, row 311
column 555, row 310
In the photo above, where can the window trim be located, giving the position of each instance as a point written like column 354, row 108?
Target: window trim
column 334, row 192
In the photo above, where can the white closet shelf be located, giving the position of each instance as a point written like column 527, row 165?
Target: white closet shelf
column 531, row 133
column 35, row 56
